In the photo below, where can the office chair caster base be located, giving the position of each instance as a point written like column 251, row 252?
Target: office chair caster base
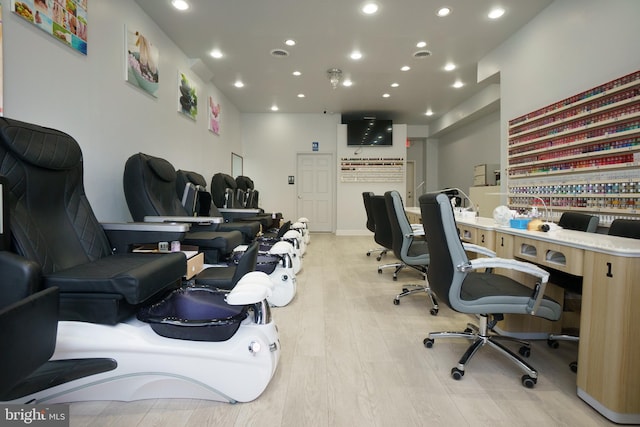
column 433, row 311
column 553, row 343
column 396, row 301
column 528, row 381
column 428, row 342
column 524, row 351
column 379, row 258
column 457, row 373
column 573, row 366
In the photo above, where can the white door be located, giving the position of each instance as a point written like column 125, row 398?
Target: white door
column 315, row 190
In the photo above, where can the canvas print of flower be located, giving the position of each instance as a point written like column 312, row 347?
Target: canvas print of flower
column 142, row 62
column 66, row 20
column 214, row 116
column 188, row 99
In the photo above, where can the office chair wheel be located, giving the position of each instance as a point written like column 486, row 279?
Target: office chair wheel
column 468, row 331
column 456, row 373
column 379, row 270
column 369, row 254
column 524, row 351
column 553, row 343
column 396, row 301
column 529, row 382
column 395, row 277
column 379, row 257
column 434, row 311
column 428, row 342
column 573, row 366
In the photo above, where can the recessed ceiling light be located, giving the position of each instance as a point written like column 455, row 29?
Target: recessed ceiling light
column 496, row 13
column 290, row 42
column 394, row 85
column 450, row 66
column 421, row 44
column 301, row 95
column 429, row 112
column 370, row 8
column 180, row 4
column 347, row 83
column 216, row 53
column 356, row 54
column 458, row 84
column 238, row 84
column 443, row 11
column 274, row 108
column 297, row 73
column 405, row 68
column 385, row 95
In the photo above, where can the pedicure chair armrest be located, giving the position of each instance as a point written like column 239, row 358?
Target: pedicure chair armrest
column 198, row 223
column 124, row 235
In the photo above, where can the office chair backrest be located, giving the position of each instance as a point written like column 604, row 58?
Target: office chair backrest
column 150, row 187
column 223, row 189
column 383, row 234
column 366, row 197
column 51, row 220
column 445, row 249
column 625, row 228
column 579, row 222
column 400, row 226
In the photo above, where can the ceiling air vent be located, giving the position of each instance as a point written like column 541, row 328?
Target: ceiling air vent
column 421, row 54
column 279, row 53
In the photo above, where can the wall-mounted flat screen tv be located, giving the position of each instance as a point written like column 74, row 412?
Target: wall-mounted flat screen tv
column 369, row 132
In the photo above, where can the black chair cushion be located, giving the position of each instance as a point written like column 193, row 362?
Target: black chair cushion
column 137, row 277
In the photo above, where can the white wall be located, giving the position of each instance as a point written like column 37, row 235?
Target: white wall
column 271, row 143
column 571, row 46
column 50, row 84
column 460, row 150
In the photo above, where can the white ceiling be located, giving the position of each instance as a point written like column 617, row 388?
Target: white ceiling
column 326, row 32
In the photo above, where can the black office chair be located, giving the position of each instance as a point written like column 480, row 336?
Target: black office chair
column 28, row 321
column 489, row 296
column 578, row 222
column 383, row 234
column 53, row 225
column 371, row 224
column 150, row 190
column 409, row 248
column 202, row 205
column 625, row 228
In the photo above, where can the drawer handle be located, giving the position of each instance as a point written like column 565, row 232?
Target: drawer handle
column 609, row 273
column 482, row 239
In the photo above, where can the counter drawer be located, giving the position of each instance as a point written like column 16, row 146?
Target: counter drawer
column 563, row 258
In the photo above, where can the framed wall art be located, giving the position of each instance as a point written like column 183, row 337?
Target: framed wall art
column 142, row 62
column 66, row 20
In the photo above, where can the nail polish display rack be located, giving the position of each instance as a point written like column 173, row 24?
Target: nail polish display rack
column 378, row 169
column 580, row 154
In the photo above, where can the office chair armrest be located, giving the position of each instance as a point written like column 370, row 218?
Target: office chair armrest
column 123, row 236
column 470, row 247
column 200, row 220
column 240, row 211
column 525, row 267
column 511, row 264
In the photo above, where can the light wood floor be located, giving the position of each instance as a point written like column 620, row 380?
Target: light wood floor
column 351, row 358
